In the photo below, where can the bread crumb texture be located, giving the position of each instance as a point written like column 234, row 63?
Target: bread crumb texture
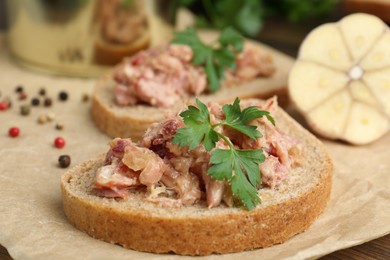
column 197, row 230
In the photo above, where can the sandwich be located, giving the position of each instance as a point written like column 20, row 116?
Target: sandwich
column 212, row 179
column 146, row 87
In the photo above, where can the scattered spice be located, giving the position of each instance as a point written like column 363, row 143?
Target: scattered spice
column 22, row 95
column 50, row 116
column 14, row 132
column 47, row 102
column 35, row 101
column 85, row 98
column 64, row 161
column 59, row 126
column 42, row 119
column 59, row 142
column 19, row 89
column 63, row 96
column 3, row 105
column 25, row 110
column 42, row 92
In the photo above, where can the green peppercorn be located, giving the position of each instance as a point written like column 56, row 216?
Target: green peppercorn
column 47, row 102
column 25, row 110
column 64, row 161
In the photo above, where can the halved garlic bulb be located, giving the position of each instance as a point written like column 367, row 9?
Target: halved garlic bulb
column 341, row 79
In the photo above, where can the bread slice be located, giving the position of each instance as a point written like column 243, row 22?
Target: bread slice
column 198, row 230
column 132, row 121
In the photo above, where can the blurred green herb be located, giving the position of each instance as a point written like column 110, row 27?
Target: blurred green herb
column 217, row 57
column 247, row 16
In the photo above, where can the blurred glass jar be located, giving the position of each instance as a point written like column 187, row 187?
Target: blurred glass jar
column 82, row 37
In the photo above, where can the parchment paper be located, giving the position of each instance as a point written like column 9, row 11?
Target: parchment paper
column 33, row 225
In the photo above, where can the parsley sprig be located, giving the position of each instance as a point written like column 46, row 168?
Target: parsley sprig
column 216, row 59
column 238, row 167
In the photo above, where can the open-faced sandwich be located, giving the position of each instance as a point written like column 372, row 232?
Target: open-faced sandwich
column 213, row 179
column 146, row 86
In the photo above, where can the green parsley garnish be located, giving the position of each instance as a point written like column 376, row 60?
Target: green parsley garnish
column 238, row 167
column 215, row 58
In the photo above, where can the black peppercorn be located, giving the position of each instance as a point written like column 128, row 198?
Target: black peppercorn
column 63, row 96
column 47, row 102
column 19, row 89
column 35, row 102
column 64, row 161
column 42, row 92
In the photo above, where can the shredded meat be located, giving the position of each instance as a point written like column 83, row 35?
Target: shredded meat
column 174, row 176
column 163, row 75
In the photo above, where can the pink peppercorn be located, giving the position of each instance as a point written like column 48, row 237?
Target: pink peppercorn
column 14, row 132
column 59, row 142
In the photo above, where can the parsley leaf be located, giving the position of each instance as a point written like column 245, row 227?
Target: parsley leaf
column 239, row 167
column 198, row 128
column 216, row 59
column 237, row 119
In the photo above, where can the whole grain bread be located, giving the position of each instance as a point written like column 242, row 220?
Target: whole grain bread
column 198, row 230
column 132, row 121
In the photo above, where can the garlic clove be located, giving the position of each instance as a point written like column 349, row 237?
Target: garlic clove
column 360, row 92
column 325, row 45
column 329, row 118
column 311, row 83
column 365, row 124
column 361, row 32
column 379, row 56
column 379, row 83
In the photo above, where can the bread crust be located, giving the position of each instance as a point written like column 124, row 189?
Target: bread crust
column 132, row 121
column 197, row 230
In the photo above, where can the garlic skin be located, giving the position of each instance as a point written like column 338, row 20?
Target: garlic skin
column 341, row 79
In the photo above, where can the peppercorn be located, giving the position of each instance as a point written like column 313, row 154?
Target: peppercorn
column 50, row 116
column 59, row 126
column 64, row 161
column 42, row 92
column 14, row 132
column 22, row 95
column 42, row 119
column 47, row 102
column 35, row 101
column 63, row 96
column 19, row 89
column 85, row 98
column 59, row 142
column 25, row 110
column 3, row 105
